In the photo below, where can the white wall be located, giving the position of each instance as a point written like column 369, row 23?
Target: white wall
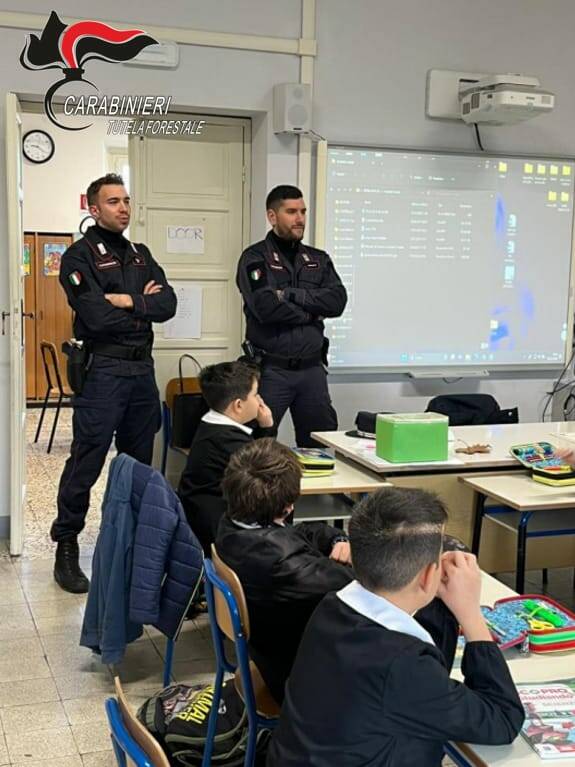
column 370, row 79
column 52, row 189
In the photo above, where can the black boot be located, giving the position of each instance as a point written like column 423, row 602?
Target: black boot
column 67, row 570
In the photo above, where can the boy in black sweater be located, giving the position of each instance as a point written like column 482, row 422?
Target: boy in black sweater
column 369, row 685
column 285, row 569
column 231, row 392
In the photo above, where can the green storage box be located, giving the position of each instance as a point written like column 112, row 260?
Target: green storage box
column 411, row 437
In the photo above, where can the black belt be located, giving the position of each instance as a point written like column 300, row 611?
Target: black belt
column 292, row 363
column 119, row 352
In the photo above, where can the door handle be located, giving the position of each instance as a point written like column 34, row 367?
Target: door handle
column 29, row 315
column 4, row 316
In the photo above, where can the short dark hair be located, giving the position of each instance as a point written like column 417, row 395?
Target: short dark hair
column 95, row 186
column 227, row 381
column 260, row 481
column 394, row 533
column 280, row 193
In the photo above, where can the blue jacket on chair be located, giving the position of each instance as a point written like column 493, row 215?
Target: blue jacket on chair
column 147, row 562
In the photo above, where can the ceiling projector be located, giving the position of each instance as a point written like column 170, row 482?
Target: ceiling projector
column 503, row 99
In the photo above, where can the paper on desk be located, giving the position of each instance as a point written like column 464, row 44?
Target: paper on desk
column 188, row 320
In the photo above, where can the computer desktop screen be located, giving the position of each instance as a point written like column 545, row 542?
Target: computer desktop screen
column 449, row 260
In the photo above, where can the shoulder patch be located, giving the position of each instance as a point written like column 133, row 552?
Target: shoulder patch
column 257, row 275
column 78, row 283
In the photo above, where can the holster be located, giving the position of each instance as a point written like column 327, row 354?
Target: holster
column 78, row 364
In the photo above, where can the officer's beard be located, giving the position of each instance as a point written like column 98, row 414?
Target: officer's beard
column 289, row 234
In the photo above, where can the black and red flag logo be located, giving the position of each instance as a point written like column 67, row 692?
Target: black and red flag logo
column 69, row 47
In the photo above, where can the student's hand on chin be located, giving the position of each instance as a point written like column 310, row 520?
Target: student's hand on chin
column 460, row 584
column 341, row 552
column 264, row 417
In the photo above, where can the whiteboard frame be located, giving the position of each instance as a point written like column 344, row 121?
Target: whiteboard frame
column 460, row 369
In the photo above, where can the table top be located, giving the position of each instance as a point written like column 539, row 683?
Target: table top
column 524, row 668
column 347, row 478
column 500, row 437
column 520, row 492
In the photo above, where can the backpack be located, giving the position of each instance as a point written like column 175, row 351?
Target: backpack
column 472, row 409
column 177, row 717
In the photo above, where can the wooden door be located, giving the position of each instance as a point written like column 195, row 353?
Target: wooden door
column 31, row 344
column 53, row 316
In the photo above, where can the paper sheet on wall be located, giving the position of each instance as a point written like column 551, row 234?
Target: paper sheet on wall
column 187, row 322
column 185, row 239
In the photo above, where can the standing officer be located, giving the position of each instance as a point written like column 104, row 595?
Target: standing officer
column 116, row 290
column 288, row 288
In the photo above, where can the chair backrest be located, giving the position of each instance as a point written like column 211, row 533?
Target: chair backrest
column 50, row 358
column 223, row 615
column 136, row 730
column 188, row 385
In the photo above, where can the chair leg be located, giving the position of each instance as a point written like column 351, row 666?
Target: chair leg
column 213, row 718
column 41, row 421
column 56, row 416
column 119, row 754
column 250, row 756
column 544, row 576
column 168, row 662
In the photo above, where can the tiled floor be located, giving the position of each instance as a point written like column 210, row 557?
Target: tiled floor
column 52, row 691
column 43, row 475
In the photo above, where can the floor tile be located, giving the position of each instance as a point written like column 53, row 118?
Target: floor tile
column 31, row 718
column 21, row 648
column 94, row 736
column 54, row 625
column 11, row 592
column 194, row 672
column 62, row 761
column 16, row 622
column 32, row 690
column 46, row 744
column 83, row 685
column 84, row 710
column 18, row 669
column 4, row 759
column 100, row 759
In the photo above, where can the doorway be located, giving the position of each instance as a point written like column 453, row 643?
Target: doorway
column 212, row 194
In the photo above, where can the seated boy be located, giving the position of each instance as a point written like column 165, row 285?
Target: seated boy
column 369, row 686
column 231, row 392
column 285, row 569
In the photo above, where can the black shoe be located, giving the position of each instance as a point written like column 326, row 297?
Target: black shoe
column 67, row 572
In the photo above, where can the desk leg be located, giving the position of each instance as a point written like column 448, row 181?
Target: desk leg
column 521, row 552
column 478, row 509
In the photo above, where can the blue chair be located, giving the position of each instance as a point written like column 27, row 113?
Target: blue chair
column 229, row 618
column 130, row 738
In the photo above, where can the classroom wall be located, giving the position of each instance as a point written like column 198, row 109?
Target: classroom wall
column 370, row 81
column 79, row 158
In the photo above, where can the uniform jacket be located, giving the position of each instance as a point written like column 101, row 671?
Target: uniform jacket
column 87, row 273
column 291, row 326
column 361, row 695
column 147, row 562
column 285, row 571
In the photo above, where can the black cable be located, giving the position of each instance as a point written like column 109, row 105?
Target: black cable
column 478, row 137
column 556, row 386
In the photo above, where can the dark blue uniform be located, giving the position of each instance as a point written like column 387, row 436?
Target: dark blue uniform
column 120, row 396
column 288, row 288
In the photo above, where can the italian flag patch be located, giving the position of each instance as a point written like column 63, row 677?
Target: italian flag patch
column 255, row 274
column 75, row 278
